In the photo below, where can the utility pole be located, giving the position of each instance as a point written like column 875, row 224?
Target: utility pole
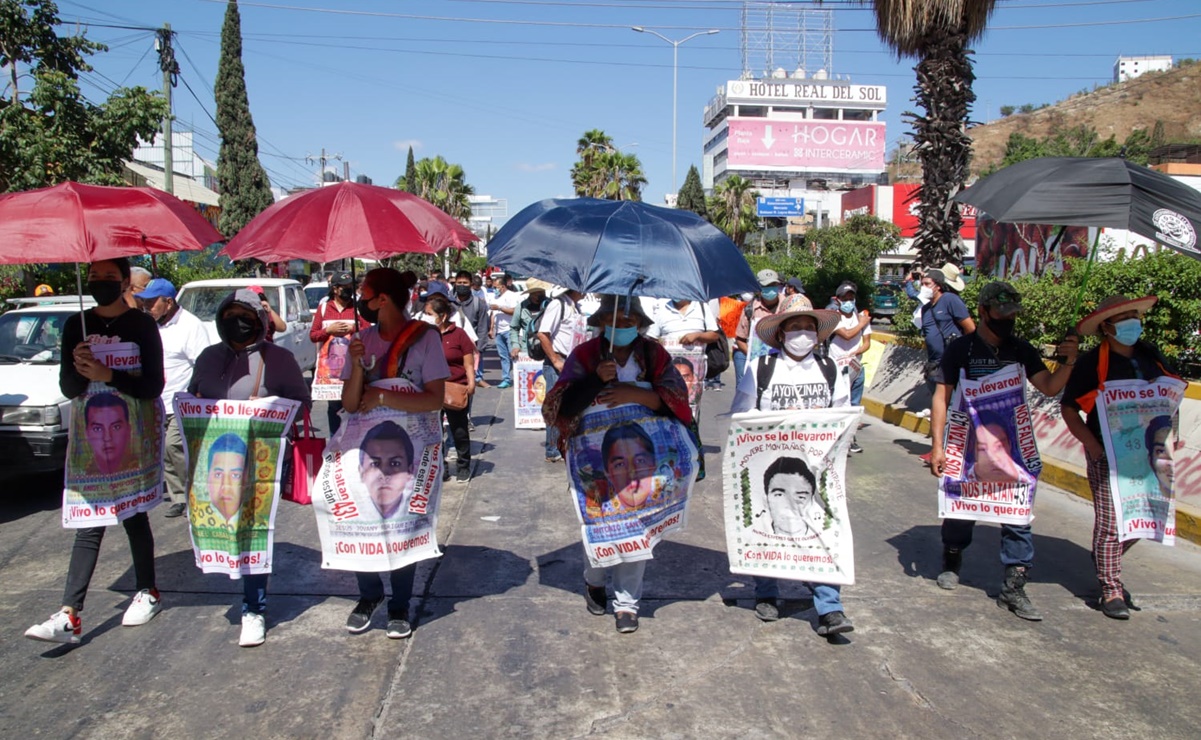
column 170, row 68
column 322, row 160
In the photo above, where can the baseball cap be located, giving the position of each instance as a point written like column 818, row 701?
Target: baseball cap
column 768, row 277
column 847, row 285
column 341, row 278
column 1001, row 297
column 157, row 288
column 795, row 282
column 258, row 289
column 435, row 288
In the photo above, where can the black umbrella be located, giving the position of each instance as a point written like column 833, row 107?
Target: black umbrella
column 1101, row 192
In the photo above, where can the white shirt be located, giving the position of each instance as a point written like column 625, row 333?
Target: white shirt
column 509, row 299
column 841, row 348
column 184, row 338
column 794, row 385
column 563, row 321
column 671, row 323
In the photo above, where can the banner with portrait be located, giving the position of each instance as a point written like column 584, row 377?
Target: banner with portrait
column 992, row 460
column 785, row 494
column 630, row 471
column 1136, row 424
column 376, row 500
column 114, row 465
column 691, row 364
column 235, row 452
column 529, row 391
column 331, row 358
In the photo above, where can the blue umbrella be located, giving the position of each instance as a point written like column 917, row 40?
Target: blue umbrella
column 623, row 248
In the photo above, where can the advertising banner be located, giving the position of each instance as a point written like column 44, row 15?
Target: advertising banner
column 377, row 498
column 785, row 494
column 630, row 471
column 235, row 452
column 815, row 144
column 691, row 364
column 992, row 464
column 327, row 375
column 114, row 465
column 1136, row 422
column 1007, row 251
column 529, row 391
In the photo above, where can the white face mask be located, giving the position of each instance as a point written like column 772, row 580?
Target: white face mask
column 799, row 343
column 746, row 297
column 429, row 318
column 925, row 294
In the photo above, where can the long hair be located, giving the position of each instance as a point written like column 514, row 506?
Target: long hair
column 398, row 286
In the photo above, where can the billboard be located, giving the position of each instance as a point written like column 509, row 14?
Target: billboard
column 904, row 212
column 806, row 144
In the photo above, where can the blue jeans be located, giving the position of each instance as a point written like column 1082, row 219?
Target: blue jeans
column 551, row 376
column 1017, row 541
column 371, row 586
column 826, row 598
column 254, row 593
column 627, row 583
column 506, row 362
column 857, row 388
column 739, row 366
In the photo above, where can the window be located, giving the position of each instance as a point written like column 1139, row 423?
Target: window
column 25, row 335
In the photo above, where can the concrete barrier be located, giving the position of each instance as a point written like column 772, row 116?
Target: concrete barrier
column 897, row 392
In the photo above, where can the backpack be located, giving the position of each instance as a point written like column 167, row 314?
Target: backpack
column 717, row 354
column 767, row 365
column 533, row 347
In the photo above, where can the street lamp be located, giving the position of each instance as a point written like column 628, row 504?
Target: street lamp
column 675, row 76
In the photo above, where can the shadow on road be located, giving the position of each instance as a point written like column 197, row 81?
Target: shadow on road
column 466, row 572
column 30, row 494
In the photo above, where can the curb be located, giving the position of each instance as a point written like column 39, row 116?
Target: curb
column 1062, row 475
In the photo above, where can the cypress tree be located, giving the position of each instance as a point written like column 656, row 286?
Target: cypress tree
column 692, row 195
column 410, row 172
column 245, row 189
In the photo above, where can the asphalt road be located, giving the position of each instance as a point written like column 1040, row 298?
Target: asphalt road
column 504, row 647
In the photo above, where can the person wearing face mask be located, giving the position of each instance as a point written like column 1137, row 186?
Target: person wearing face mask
column 503, row 303
column 850, row 340
column 475, row 310
column 184, row 337
column 459, row 352
column 1121, row 355
column 556, row 336
column 523, row 331
column 765, row 304
column 990, row 348
column 793, row 377
column 942, row 318
column 241, row 367
column 335, row 320
column 111, row 321
column 619, row 367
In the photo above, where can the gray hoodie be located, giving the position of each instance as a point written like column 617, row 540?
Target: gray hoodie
column 223, row 372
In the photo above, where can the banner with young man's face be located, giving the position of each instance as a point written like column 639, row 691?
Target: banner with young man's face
column 1136, row 429
column 785, row 494
column 630, row 472
column 529, row 391
column 992, row 460
column 235, row 460
column 376, row 499
column 691, row 364
column 327, row 374
column 114, row 465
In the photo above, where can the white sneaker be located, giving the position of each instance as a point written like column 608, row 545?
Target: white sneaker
column 61, row 627
column 923, row 414
column 254, row 630
column 142, row 609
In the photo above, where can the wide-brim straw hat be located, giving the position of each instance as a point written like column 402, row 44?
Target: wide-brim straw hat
column 538, row 284
column 603, row 316
column 768, row 327
column 1112, row 306
column 950, row 271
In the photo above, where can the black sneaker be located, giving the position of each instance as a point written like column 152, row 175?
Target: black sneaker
column 398, row 627
column 360, row 619
column 855, row 447
column 834, row 623
column 596, row 599
column 175, row 510
column 463, row 471
column 767, row 610
column 1115, row 608
column 627, row 622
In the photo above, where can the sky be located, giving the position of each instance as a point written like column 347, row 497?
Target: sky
column 505, row 88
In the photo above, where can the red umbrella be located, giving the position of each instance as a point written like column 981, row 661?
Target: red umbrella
column 347, row 220
column 73, row 222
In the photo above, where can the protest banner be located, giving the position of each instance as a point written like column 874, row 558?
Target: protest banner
column 630, row 471
column 114, row 465
column 692, row 366
column 529, row 391
column 992, row 460
column 785, row 494
column 376, row 500
column 235, row 452
column 331, row 358
column 1136, row 422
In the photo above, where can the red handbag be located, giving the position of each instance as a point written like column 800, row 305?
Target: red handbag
column 308, row 451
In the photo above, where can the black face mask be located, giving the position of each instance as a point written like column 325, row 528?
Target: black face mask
column 462, row 291
column 345, row 295
column 1003, row 328
column 366, row 311
column 239, row 329
column 106, row 292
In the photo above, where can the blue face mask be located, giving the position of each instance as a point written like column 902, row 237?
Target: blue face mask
column 621, row 337
column 847, row 306
column 1127, row 331
column 770, row 294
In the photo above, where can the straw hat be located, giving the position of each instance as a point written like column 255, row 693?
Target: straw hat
column 1112, row 306
column 604, row 315
column 536, row 284
column 953, row 277
column 769, row 332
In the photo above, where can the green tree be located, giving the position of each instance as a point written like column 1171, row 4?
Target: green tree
column 444, row 184
column 617, row 176
column 732, row 208
column 584, row 177
column 692, row 194
column 1007, row 110
column 245, row 189
column 410, row 175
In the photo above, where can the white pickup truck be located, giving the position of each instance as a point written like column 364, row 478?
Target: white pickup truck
column 286, row 298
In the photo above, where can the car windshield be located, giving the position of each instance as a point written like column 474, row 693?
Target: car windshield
column 31, row 335
column 203, row 300
column 314, row 294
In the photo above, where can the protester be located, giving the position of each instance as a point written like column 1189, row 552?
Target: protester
column 504, row 307
column 523, row 332
column 558, row 331
column 1121, row 355
column 793, row 286
column 335, row 317
column 684, row 322
column 990, row 348
column 184, row 337
column 944, row 318
column 396, row 347
column 110, row 321
column 245, row 366
column 617, row 368
column 275, row 322
column 477, row 288
column 475, row 309
column 850, row 341
column 795, row 379
column 729, row 313
column 459, row 352
column 766, row 303
column 139, row 278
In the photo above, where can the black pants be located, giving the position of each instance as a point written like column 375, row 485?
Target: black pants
column 457, row 421
column 335, row 421
column 87, row 550
column 371, row 586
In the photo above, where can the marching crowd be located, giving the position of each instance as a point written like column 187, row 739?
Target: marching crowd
column 786, row 354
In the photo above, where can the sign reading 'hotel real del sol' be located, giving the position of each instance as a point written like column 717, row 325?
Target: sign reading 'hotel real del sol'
column 807, row 91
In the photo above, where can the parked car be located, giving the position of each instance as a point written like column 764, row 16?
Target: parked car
column 885, row 301
column 286, row 298
column 34, row 414
column 315, row 293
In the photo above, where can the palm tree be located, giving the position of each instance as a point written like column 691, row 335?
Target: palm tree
column 444, row 184
column 937, row 33
column 589, row 146
column 732, row 208
column 617, row 176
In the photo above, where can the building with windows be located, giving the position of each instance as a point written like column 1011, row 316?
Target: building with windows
column 1127, row 68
